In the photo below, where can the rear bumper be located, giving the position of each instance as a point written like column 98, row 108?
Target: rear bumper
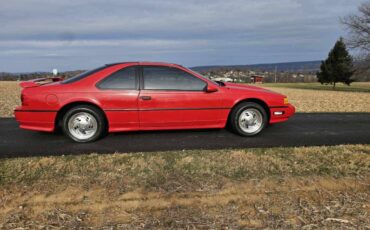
column 281, row 113
column 39, row 120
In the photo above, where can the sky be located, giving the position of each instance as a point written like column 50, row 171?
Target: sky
column 39, row 35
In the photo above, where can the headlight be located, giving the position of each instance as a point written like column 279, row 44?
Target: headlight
column 286, row 101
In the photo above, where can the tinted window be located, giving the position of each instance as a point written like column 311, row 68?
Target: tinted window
column 122, row 79
column 83, row 75
column 170, row 79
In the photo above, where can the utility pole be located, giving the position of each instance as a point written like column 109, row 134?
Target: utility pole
column 275, row 73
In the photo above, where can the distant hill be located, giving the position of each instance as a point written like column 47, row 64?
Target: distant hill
column 307, row 66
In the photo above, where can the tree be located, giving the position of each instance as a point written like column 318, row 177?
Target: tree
column 338, row 67
column 359, row 28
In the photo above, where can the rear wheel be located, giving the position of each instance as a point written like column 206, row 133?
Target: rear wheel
column 248, row 119
column 84, row 123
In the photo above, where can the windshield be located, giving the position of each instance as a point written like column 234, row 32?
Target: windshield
column 82, row 75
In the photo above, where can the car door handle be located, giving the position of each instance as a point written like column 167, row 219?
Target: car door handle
column 145, row 98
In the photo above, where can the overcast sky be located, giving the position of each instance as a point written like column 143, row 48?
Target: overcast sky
column 39, row 35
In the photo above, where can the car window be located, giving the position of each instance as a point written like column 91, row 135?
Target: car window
column 83, row 75
column 166, row 78
column 122, row 79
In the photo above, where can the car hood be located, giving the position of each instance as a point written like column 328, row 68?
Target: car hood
column 234, row 86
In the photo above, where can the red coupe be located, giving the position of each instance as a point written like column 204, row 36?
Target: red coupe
column 145, row 96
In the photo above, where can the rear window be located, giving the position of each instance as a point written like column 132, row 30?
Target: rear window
column 82, row 75
column 122, row 79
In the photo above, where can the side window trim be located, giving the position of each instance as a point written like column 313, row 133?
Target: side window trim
column 137, row 84
column 142, row 84
column 141, row 77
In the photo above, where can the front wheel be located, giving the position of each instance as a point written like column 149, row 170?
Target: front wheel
column 248, row 119
column 84, row 123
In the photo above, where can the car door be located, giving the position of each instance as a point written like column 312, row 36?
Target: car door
column 173, row 98
column 118, row 94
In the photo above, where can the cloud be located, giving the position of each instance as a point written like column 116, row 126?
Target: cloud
column 144, row 43
column 191, row 32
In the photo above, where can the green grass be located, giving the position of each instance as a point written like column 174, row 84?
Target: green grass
column 354, row 87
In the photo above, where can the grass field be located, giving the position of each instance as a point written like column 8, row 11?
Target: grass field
column 315, row 187
column 303, row 100
column 354, row 87
column 325, row 101
column 9, row 97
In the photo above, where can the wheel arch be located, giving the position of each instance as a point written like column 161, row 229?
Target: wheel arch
column 255, row 100
column 62, row 111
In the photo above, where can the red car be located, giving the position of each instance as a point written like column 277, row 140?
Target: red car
column 145, row 96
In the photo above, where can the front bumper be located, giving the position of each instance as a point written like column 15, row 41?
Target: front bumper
column 39, row 120
column 281, row 113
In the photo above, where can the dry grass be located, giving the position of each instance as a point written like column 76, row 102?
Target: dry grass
column 304, row 100
column 354, row 87
column 9, row 97
column 308, row 101
column 315, row 187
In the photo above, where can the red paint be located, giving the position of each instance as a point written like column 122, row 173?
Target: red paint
column 126, row 110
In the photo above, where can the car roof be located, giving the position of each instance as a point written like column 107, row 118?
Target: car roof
column 144, row 63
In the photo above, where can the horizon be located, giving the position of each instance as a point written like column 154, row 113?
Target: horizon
column 190, row 67
column 39, row 35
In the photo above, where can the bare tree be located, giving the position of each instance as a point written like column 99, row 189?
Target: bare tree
column 359, row 28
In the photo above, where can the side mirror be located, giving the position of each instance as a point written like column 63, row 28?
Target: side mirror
column 211, row 88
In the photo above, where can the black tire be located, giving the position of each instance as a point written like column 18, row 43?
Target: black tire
column 91, row 110
column 236, row 112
